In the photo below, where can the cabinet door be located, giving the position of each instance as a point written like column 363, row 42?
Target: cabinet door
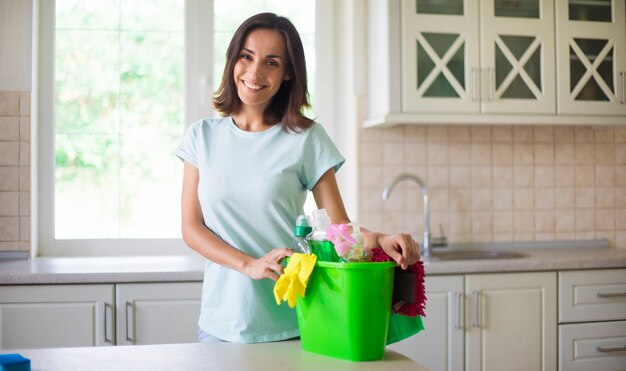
column 517, row 56
column 440, row 345
column 511, row 321
column 439, row 56
column 158, row 313
column 52, row 316
column 591, row 56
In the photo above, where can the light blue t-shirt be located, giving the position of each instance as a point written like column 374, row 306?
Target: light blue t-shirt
column 252, row 187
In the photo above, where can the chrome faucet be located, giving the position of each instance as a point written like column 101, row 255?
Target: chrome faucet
column 426, row 244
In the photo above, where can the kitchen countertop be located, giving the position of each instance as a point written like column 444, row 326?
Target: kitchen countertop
column 536, row 259
column 284, row 355
column 53, row 270
column 73, row 270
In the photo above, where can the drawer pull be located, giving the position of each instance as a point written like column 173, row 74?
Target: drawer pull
column 611, row 294
column 610, row 350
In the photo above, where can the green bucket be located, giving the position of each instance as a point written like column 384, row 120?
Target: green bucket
column 345, row 313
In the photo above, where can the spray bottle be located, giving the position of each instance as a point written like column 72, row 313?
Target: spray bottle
column 320, row 245
column 358, row 251
column 301, row 232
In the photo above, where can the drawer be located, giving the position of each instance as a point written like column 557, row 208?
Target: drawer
column 592, row 346
column 594, row 295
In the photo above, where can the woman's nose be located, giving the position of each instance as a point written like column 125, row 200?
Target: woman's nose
column 256, row 69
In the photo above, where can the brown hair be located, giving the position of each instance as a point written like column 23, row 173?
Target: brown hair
column 292, row 96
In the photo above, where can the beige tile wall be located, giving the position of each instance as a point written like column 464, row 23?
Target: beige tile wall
column 498, row 182
column 14, row 170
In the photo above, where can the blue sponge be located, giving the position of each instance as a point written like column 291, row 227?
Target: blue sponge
column 14, row 362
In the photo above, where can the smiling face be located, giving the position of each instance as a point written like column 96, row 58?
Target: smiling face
column 261, row 68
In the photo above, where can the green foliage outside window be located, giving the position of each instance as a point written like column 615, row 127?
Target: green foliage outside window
column 119, row 110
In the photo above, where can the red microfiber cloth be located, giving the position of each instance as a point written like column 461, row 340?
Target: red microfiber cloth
column 409, row 297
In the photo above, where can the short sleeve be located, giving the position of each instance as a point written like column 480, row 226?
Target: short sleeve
column 319, row 155
column 188, row 149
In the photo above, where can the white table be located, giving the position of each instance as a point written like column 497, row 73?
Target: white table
column 285, row 355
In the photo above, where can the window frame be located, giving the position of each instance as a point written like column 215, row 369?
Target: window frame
column 197, row 92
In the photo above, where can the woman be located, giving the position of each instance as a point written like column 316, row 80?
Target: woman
column 245, row 181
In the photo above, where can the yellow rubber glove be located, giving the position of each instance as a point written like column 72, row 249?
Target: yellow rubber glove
column 294, row 279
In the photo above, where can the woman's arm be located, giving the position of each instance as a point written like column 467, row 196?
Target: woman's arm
column 400, row 247
column 197, row 236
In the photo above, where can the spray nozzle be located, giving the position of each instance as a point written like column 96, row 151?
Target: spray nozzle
column 320, row 219
column 303, row 226
column 341, row 238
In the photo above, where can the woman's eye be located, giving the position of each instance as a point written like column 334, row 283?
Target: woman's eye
column 273, row 63
column 245, row 56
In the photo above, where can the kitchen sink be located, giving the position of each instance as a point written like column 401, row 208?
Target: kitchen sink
column 474, row 254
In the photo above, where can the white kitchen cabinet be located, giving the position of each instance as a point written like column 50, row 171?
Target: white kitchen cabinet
column 511, row 321
column 158, row 313
column 592, row 320
column 494, row 61
column 591, row 56
column 487, row 322
column 470, row 56
column 440, row 345
column 43, row 316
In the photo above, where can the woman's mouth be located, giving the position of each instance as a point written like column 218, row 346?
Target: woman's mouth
column 252, row 86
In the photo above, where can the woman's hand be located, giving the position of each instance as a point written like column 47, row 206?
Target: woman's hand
column 400, row 247
column 267, row 266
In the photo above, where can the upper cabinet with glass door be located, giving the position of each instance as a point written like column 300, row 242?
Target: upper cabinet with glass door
column 496, row 61
column 591, row 56
column 440, row 56
column 471, row 56
column 517, row 56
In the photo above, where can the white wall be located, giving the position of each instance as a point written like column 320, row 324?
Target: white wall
column 15, row 120
column 348, row 18
column 15, row 45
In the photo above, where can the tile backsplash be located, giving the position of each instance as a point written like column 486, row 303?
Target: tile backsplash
column 497, row 182
column 14, row 170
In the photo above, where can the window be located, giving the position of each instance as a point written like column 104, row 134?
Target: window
column 118, row 82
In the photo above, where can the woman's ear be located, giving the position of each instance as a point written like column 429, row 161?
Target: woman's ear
column 287, row 76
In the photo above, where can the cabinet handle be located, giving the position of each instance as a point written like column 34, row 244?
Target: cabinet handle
column 609, row 350
column 474, row 84
column 132, row 308
column 106, row 325
column 457, row 322
column 491, row 72
column 611, row 294
column 623, row 88
column 476, row 322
